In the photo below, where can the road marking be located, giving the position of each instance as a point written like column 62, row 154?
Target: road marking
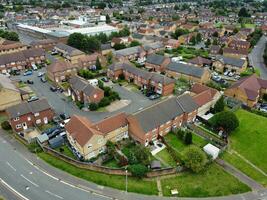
column 68, row 184
column 55, row 195
column 13, row 190
column 11, row 166
column 29, row 180
column 55, row 178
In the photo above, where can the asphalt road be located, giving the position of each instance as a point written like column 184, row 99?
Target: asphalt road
column 60, row 103
column 256, row 59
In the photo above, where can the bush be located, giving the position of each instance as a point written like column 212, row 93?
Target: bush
column 5, row 125
column 188, row 138
column 226, row 120
column 104, row 102
column 93, row 106
column 79, row 104
column 219, row 106
column 138, row 170
column 194, row 159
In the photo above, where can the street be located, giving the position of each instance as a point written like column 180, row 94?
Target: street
column 60, row 103
column 256, row 57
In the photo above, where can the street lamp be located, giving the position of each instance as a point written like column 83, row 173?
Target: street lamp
column 126, row 180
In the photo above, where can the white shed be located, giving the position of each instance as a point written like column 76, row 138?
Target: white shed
column 212, row 150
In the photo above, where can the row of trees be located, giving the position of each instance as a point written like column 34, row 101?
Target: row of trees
column 93, row 43
column 9, row 35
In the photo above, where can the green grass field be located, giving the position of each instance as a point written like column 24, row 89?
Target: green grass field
column 166, row 157
column 66, row 151
column 250, row 138
column 213, row 182
column 118, row 182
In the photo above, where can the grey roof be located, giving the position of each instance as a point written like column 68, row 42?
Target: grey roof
column 155, row 59
column 28, row 107
column 185, row 68
column 56, row 141
column 6, row 83
column 155, row 45
column 129, row 51
column 80, row 84
column 42, row 138
column 58, row 34
column 137, row 36
column 70, row 50
column 231, row 61
column 165, row 111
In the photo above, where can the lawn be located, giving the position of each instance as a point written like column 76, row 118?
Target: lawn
column 112, row 164
column 114, row 181
column 66, row 151
column 245, row 167
column 250, row 138
column 166, row 157
column 212, row 182
column 3, row 117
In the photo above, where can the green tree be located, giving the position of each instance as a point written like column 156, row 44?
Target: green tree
column 194, row 159
column 188, row 138
column 110, row 58
column 243, row 12
column 98, row 64
column 178, row 32
column 198, row 37
column 219, row 106
column 135, row 43
column 215, row 34
column 215, row 41
column 138, row 170
column 118, row 46
column 226, row 120
column 76, row 40
column 93, row 106
column 108, row 20
column 207, row 43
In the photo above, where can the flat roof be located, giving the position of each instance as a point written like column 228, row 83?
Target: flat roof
column 34, row 28
column 93, row 30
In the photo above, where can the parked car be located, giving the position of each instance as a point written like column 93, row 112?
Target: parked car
column 64, row 116
column 40, row 74
column 50, row 130
column 43, row 79
column 149, row 93
column 154, row 96
column 226, row 73
column 32, row 98
column 30, row 81
column 104, row 79
column 27, row 73
column 56, row 119
column 60, row 89
column 53, row 89
column 34, row 67
column 263, row 109
column 231, row 74
column 6, row 74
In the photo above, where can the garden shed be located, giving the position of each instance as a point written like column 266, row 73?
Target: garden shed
column 212, row 150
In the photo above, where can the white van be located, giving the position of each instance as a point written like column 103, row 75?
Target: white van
column 34, row 67
column 93, row 82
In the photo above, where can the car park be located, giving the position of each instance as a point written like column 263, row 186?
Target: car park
column 32, row 98
column 27, row 73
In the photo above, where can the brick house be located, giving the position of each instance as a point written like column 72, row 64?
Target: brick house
column 223, row 63
column 60, row 70
column 70, row 53
column 146, row 80
column 154, row 47
column 90, row 139
column 200, row 61
column 172, row 44
column 157, row 62
column 132, row 53
column 239, row 44
column 236, row 53
column 29, row 114
column 12, row 48
column 248, row 90
column 159, row 119
column 21, row 60
column 188, row 71
column 88, row 61
column 80, row 90
column 46, row 44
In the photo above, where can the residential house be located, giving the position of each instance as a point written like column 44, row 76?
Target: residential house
column 248, row 90
column 46, row 44
column 88, row 61
column 215, row 50
column 188, row 71
column 9, row 93
column 21, row 60
column 223, row 63
column 200, row 61
column 60, row 70
column 70, row 53
column 105, row 49
column 29, row 114
column 236, row 53
column 132, row 53
column 205, row 97
column 172, row 44
column 154, row 47
column 159, row 119
column 145, row 80
column 90, row 139
column 157, row 62
column 239, row 44
column 12, row 48
column 81, row 90
column 121, row 40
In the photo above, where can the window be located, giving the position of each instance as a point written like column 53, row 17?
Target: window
column 16, row 119
column 36, row 114
column 100, row 141
column 18, row 126
column 90, row 146
column 38, row 121
column 29, row 118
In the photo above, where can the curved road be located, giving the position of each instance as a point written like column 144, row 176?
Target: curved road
column 25, row 177
column 256, row 57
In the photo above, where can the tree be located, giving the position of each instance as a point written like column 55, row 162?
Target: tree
column 219, row 106
column 134, row 43
column 108, row 20
column 5, row 125
column 188, row 138
column 215, row 34
column 110, row 57
column 207, row 43
column 98, row 64
column 198, row 37
column 243, row 12
column 138, row 170
column 194, row 159
column 179, row 31
column 118, row 46
column 76, row 40
column 93, row 106
column 215, row 41
column 193, row 40
column 226, row 120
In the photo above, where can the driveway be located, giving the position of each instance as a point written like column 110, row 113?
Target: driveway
column 60, row 103
column 256, row 57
